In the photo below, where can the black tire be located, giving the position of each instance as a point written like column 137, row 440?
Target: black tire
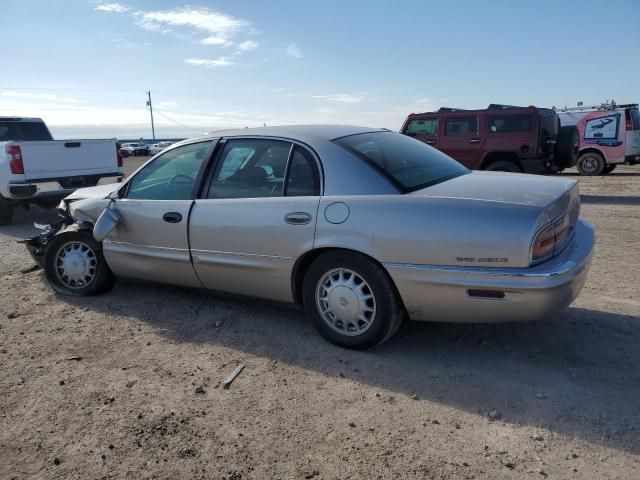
column 591, row 164
column 6, row 211
column 566, row 151
column 504, row 166
column 102, row 279
column 389, row 310
column 610, row 168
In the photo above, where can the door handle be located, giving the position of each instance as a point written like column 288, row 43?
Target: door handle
column 474, row 140
column 297, row 218
column 172, row 217
column 430, row 142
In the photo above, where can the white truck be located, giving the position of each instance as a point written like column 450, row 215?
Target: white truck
column 36, row 169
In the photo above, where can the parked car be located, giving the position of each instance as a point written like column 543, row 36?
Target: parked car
column 36, row 169
column 156, row 148
column 134, row 149
column 609, row 135
column 360, row 226
column 500, row 137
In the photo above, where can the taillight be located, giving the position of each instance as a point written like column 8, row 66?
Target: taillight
column 543, row 244
column 15, row 162
column 629, row 121
column 119, row 155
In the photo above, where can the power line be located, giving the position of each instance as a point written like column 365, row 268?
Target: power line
column 178, row 123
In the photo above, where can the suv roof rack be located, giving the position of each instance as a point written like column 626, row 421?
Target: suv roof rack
column 608, row 105
column 451, row 109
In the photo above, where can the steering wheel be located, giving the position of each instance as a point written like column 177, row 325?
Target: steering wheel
column 186, row 178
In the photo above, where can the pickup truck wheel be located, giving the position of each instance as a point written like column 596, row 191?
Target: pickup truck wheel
column 610, row 168
column 504, row 166
column 74, row 265
column 591, row 164
column 351, row 300
column 6, row 211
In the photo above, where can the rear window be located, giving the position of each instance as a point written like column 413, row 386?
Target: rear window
column 635, row 118
column 408, row 163
column 509, row 123
column 27, row 131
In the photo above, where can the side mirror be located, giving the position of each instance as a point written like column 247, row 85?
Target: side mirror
column 106, row 222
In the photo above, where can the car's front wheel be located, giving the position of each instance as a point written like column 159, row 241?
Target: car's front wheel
column 74, row 264
column 351, row 300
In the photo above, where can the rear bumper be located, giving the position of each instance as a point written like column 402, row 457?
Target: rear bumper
column 55, row 188
column 632, row 159
column 440, row 293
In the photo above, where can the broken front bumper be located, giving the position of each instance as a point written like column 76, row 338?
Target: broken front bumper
column 37, row 246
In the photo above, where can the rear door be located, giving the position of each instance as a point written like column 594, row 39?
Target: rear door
column 256, row 216
column 461, row 138
column 632, row 136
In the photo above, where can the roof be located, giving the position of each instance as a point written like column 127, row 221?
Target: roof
column 21, row 119
column 310, row 134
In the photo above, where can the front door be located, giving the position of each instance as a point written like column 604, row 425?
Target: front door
column 256, row 216
column 150, row 241
column 462, row 140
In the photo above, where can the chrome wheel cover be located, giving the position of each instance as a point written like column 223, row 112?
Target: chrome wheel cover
column 345, row 302
column 75, row 265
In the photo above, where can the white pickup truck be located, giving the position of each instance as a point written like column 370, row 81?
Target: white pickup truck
column 36, row 169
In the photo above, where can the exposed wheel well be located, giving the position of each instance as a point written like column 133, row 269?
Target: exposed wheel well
column 304, row 262
column 499, row 156
column 592, row 150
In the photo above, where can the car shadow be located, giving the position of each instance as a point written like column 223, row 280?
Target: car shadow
column 577, row 374
column 610, row 199
column 21, row 225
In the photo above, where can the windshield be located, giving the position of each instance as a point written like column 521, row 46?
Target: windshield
column 408, row 163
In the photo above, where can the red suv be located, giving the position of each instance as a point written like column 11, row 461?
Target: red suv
column 500, row 137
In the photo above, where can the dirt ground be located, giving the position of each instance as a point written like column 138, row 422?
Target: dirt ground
column 105, row 387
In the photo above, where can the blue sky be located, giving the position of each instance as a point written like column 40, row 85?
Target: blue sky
column 84, row 66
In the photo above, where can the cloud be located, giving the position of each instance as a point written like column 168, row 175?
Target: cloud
column 341, row 98
column 293, row 51
column 219, row 28
column 166, row 105
column 39, row 96
column 111, row 7
column 247, row 46
column 209, row 62
column 122, row 43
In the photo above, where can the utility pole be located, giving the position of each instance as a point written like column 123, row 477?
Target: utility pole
column 153, row 128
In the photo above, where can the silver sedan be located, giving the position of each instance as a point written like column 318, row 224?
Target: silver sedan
column 362, row 227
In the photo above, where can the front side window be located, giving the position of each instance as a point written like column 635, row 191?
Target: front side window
column 171, row 176
column 250, row 168
column 461, row 125
column 509, row 123
column 422, row 127
column 408, row 163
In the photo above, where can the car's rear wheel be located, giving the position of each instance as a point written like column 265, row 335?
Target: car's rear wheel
column 591, row 164
column 74, row 265
column 6, row 211
column 351, row 300
column 504, row 166
column 610, row 168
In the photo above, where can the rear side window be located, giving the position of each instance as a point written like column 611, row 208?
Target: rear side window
column 304, row 178
column 27, row 131
column 422, row 127
column 461, row 125
column 602, row 127
column 509, row 123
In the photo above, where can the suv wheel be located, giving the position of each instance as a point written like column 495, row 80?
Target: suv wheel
column 351, row 300
column 591, row 164
column 504, row 166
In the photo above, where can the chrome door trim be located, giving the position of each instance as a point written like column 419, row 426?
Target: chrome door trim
column 240, row 254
